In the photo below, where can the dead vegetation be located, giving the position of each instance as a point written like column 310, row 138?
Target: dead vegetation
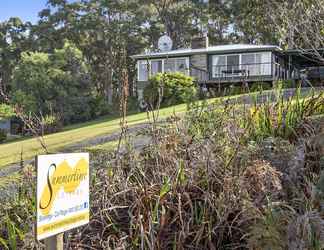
column 208, row 181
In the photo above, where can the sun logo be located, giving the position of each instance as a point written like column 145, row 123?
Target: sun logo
column 61, row 176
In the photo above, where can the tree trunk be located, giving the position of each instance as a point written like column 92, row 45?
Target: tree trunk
column 108, row 87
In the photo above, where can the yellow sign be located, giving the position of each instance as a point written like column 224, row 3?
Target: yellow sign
column 62, row 193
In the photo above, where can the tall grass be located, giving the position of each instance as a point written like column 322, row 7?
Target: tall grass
column 205, row 183
column 283, row 118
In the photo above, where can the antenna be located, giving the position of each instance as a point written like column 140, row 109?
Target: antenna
column 165, row 43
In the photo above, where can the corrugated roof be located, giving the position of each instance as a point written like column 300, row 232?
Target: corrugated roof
column 213, row 49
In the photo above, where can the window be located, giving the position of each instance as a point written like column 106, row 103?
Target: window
column 142, row 70
column 265, row 59
column 233, row 64
column 169, row 65
column 177, row 65
column 162, row 65
column 181, row 65
column 251, row 64
column 219, row 65
column 236, row 65
column 156, row 67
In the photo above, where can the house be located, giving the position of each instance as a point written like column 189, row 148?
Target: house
column 218, row 66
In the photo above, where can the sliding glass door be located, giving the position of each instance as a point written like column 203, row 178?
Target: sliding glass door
column 245, row 64
column 233, row 65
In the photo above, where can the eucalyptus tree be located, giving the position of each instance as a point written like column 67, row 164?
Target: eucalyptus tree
column 300, row 25
column 14, row 38
column 181, row 20
column 101, row 29
column 251, row 23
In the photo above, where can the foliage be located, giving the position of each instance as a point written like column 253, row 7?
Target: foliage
column 195, row 188
column 46, row 83
column 283, row 118
column 99, row 107
column 6, row 111
column 260, row 86
column 17, row 214
column 202, row 183
column 285, row 84
column 51, row 124
column 235, row 90
column 170, row 89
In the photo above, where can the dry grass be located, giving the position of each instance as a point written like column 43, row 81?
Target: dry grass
column 201, row 184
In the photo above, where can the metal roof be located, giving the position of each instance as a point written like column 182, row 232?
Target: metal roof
column 210, row 50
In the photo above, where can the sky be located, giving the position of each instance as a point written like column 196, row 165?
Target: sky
column 26, row 10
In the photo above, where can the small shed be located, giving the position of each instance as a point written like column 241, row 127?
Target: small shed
column 5, row 124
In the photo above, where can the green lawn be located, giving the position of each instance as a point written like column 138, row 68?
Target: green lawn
column 11, row 152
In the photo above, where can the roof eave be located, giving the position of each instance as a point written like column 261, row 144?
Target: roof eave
column 179, row 54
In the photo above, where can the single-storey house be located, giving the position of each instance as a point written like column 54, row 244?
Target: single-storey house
column 215, row 66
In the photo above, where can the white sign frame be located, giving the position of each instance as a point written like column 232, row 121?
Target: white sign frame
column 62, row 193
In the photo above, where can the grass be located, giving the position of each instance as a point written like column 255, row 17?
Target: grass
column 203, row 183
column 11, row 152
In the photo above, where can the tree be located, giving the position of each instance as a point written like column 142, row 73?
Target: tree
column 250, row 22
column 13, row 40
column 181, row 20
column 101, row 30
column 55, row 83
column 300, row 25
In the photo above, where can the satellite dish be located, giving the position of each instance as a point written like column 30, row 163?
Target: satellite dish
column 165, row 43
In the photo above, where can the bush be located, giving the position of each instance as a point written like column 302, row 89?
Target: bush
column 3, row 135
column 200, row 183
column 51, row 124
column 283, row 118
column 259, row 86
column 99, row 107
column 236, row 90
column 6, row 111
column 285, row 84
column 174, row 88
column 132, row 103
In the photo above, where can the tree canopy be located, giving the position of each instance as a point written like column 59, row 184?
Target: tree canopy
column 86, row 44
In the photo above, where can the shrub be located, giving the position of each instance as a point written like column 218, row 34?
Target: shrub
column 201, row 182
column 132, row 103
column 285, row 84
column 51, row 124
column 259, row 86
column 99, row 107
column 6, row 111
column 172, row 88
column 282, row 118
column 236, row 90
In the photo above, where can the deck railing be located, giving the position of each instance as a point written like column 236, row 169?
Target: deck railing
column 242, row 70
column 249, row 71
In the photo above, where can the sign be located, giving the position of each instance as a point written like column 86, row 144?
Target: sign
column 62, row 193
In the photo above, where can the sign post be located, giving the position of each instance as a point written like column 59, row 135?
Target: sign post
column 54, row 242
column 62, row 196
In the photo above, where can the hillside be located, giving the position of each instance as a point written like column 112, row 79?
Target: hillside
column 216, row 177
